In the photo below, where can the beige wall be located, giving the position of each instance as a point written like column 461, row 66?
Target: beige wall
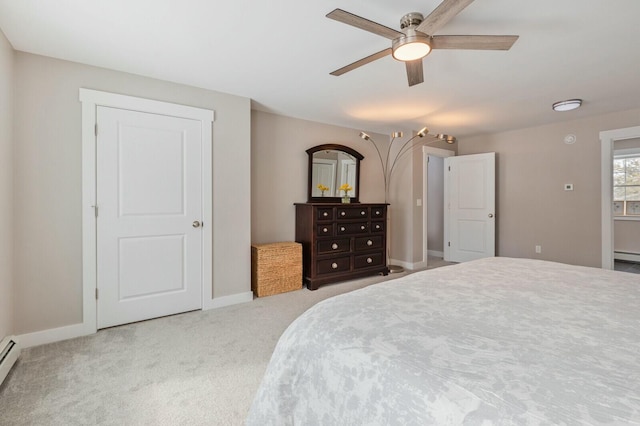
column 47, row 183
column 6, row 187
column 279, row 170
column 532, row 207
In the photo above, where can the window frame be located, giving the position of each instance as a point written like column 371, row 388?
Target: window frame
column 618, row 155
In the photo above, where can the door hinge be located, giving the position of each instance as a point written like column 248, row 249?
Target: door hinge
column 449, row 244
column 96, row 293
column 95, row 129
column 95, row 210
column 449, row 168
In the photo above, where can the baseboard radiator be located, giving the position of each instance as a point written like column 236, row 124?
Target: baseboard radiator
column 9, row 353
column 626, row 255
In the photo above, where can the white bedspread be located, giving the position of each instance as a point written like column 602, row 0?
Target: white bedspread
column 495, row 341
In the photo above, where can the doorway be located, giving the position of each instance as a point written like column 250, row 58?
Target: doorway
column 607, row 139
column 433, row 205
column 170, row 243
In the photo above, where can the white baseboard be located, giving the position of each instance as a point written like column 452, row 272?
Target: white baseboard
column 406, row 265
column 630, row 257
column 234, row 299
column 435, row 253
column 53, row 335
column 77, row 330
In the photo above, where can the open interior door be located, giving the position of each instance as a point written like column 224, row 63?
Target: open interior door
column 469, row 223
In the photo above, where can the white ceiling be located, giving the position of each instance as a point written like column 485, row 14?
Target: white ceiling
column 280, row 53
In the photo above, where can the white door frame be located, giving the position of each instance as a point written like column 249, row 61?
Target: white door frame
column 607, row 138
column 426, row 152
column 91, row 99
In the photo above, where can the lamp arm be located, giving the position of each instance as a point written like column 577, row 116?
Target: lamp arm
column 384, row 173
column 401, row 153
column 410, row 149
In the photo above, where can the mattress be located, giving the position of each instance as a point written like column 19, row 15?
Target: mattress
column 493, row 341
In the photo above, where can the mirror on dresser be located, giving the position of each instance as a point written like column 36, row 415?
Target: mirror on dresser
column 330, row 166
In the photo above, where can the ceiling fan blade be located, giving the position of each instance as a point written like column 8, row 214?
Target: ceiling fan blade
column 363, row 61
column 364, row 24
column 442, row 14
column 415, row 75
column 473, row 42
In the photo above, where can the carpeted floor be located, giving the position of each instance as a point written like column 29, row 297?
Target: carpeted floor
column 197, row 368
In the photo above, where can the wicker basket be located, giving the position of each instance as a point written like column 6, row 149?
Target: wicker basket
column 276, row 268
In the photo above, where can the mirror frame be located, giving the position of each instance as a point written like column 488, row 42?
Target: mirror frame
column 333, row 147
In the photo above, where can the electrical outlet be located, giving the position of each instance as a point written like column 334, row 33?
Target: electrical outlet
column 418, row 202
column 538, row 249
column 568, row 187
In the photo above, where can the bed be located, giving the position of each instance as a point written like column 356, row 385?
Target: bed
column 494, row 341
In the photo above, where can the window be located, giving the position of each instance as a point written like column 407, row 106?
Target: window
column 626, row 186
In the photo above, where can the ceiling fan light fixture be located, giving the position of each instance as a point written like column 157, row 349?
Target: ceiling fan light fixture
column 567, row 105
column 411, row 47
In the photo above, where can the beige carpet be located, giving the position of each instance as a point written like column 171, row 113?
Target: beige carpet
column 197, row 368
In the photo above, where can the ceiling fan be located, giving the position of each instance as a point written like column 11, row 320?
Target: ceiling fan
column 415, row 40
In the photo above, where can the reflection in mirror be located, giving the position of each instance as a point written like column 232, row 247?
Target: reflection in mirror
column 331, row 166
column 330, row 170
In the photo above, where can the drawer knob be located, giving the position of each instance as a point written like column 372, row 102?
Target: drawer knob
column 363, row 212
column 343, row 213
column 377, row 212
column 325, row 230
column 325, row 214
column 369, row 260
column 369, row 243
column 377, row 226
column 342, row 228
column 334, row 246
column 363, row 227
column 334, row 265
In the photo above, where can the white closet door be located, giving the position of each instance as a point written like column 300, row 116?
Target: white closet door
column 149, row 195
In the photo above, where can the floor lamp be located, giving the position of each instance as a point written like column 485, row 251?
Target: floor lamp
column 388, row 165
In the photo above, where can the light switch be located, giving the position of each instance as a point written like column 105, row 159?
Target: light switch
column 418, row 202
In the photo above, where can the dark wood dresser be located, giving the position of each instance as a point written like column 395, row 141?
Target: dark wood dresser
column 341, row 241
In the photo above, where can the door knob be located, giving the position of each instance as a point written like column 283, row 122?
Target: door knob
column 196, row 224
column 490, row 214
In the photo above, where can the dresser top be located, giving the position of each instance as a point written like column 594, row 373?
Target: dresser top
column 341, row 204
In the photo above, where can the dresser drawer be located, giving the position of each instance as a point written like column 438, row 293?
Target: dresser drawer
column 377, row 212
column 352, row 228
column 377, row 226
column 325, row 230
column 334, row 245
column 329, row 266
column 368, row 260
column 353, row 212
column 324, row 213
column 368, row 243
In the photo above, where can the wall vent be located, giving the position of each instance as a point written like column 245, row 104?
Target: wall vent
column 9, row 353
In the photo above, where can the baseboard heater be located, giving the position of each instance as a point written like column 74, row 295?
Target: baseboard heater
column 9, row 353
column 625, row 255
